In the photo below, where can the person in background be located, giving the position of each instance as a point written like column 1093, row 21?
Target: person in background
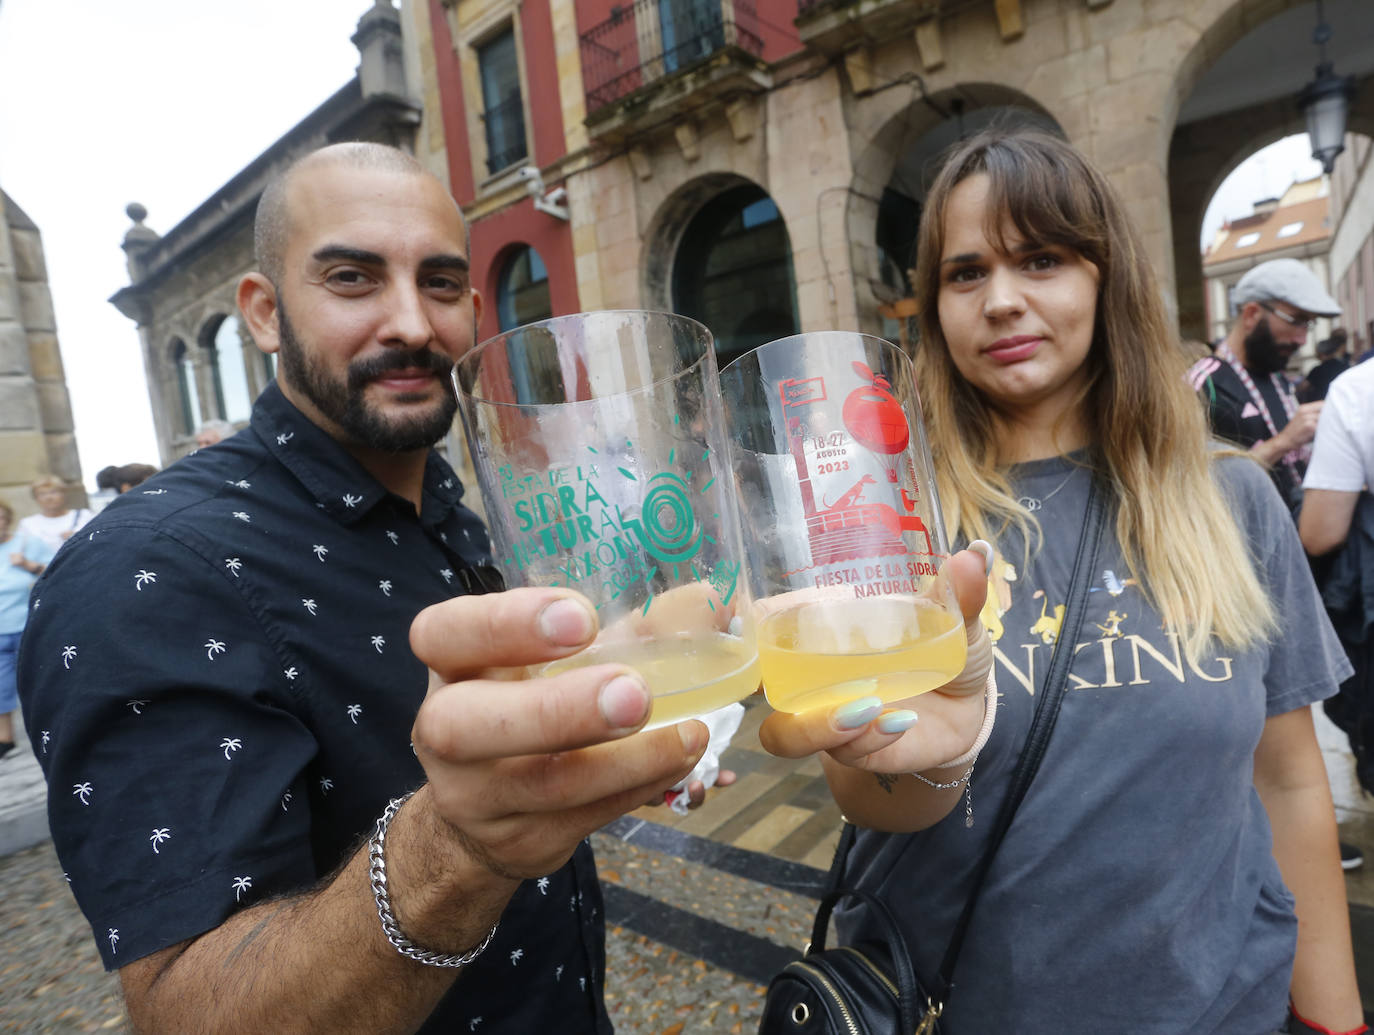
column 1333, row 363
column 55, row 522
column 1248, row 394
column 1173, row 867
column 106, row 489
column 133, row 475
column 213, row 431
column 23, row 557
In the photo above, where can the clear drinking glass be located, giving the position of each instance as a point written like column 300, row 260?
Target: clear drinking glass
column 845, row 536
column 599, row 446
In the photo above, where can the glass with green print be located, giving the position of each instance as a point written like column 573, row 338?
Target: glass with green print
column 599, row 446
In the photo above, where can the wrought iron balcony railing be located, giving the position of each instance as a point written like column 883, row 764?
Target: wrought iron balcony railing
column 649, row 39
column 505, row 126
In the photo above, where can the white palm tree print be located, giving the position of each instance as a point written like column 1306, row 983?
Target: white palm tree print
column 285, row 800
column 68, row 652
column 309, row 604
column 47, row 736
column 379, row 642
column 160, row 834
column 320, row 551
column 395, row 539
column 582, row 982
column 285, row 437
column 543, row 885
column 474, row 1023
column 385, row 586
column 137, row 706
column 154, row 492
column 242, row 516
column 351, row 501
column 233, row 564
column 326, row 785
column 354, row 710
column 516, row 956
column 241, row 484
column 240, row 885
column 82, row 791
column 447, row 573
column 144, row 578
column 213, row 647
column 290, row 673
column 114, row 937
column 558, row 972
column 229, row 744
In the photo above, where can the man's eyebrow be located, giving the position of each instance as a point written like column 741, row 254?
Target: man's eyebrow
column 457, row 263
column 342, row 252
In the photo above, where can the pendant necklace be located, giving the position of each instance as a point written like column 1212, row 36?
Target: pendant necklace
column 1034, row 503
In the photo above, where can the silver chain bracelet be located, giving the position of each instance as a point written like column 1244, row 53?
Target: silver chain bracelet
column 376, row 871
column 968, row 790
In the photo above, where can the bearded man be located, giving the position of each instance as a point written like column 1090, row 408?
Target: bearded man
column 1250, row 399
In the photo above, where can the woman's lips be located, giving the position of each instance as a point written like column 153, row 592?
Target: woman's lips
column 1014, row 349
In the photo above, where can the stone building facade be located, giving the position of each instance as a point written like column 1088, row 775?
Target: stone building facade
column 201, row 364
column 789, row 142
column 36, row 431
column 1352, row 240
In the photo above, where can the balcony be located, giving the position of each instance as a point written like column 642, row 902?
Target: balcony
column 833, row 26
column 651, row 55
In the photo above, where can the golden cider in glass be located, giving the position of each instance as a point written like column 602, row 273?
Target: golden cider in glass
column 820, row 654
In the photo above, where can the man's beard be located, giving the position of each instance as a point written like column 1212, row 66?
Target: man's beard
column 1263, row 354
column 345, row 405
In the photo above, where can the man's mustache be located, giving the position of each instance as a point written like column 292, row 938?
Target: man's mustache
column 365, row 370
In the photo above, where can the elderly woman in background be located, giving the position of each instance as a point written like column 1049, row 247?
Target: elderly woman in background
column 55, row 522
column 22, row 559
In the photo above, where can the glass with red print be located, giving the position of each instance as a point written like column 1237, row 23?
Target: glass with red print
column 844, row 533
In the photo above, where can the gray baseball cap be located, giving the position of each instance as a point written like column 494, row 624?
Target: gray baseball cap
column 1286, row 280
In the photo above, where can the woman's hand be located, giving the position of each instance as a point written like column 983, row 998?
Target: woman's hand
column 923, row 732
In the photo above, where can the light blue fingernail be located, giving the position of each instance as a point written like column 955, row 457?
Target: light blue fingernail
column 857, row 713
column 897, row 722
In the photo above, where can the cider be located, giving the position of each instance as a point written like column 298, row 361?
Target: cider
column 688, row 675
column 821, row 654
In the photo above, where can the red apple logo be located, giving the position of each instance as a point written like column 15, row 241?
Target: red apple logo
column 873, row 415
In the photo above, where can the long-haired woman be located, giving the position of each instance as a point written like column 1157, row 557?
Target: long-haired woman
column 1174, row 867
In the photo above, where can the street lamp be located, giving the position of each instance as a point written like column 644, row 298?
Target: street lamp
column 1325, row 100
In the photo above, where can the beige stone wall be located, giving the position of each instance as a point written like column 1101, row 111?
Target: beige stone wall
column 37, row 436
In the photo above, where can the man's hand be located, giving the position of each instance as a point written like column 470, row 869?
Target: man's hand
column 522, row 770
column 1302, row 429
column 950, row 717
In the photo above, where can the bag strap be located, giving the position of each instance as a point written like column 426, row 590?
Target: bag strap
column 903, row 972
column 1042, row 725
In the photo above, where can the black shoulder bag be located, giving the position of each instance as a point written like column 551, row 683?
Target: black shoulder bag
column 871, row 988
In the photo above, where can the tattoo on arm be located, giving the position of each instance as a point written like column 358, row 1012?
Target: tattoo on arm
column 252, row 935
column 887, row 780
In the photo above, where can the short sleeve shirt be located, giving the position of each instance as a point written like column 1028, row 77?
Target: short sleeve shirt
column 16, row 582
column 1235, row 417
column 1136, row 890
column 217, row 678
column 1343, row 452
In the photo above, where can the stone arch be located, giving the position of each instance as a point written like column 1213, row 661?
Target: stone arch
column 182, row 386
column 667, row 226
column 719, row 250
column 497, row 272
column 1203, row 151
column 910, row 143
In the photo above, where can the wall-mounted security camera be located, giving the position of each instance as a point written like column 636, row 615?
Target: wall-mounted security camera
column 554, row 202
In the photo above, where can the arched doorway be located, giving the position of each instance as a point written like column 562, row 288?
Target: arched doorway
column 733, row 271
column 522, row 290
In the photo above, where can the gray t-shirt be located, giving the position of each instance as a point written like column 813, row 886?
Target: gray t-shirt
column 1136, row 890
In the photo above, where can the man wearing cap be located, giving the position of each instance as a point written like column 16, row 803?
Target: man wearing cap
column 1250, row 400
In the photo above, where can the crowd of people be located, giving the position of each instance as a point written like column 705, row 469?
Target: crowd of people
column 315, row 805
